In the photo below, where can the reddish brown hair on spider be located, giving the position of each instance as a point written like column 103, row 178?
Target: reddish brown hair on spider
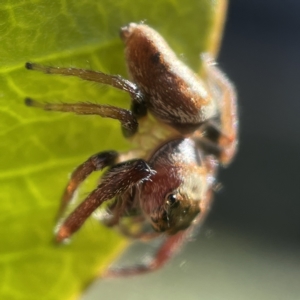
column 183, row 128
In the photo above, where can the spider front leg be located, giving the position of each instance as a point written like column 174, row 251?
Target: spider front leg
column 96, row 162
column 170, row 246
column 115, row 182
column 166, row 251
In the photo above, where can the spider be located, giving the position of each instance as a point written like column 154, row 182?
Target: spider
column 183, row 127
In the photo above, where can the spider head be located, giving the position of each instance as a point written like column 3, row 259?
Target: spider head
column 177, row 213
column 174, row 195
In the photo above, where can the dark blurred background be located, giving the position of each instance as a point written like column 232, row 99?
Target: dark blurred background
column 261, row 53
column 249, row 247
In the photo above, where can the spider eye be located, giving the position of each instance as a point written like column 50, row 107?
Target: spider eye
column 171, row 199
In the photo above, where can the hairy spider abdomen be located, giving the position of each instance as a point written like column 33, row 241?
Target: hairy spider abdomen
column 174, row 93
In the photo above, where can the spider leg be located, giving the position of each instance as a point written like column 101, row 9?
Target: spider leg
column 171, row 246
column 142, row 236
column 168, row 249
column 138, row 101
column 131, row 226
column 96, row 162
column 228, row 109
column 116, row 181
column 138, row 232
column 128, row 120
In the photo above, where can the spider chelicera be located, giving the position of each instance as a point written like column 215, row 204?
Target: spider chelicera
column 183, row 127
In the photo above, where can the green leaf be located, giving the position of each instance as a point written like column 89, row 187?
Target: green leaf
column 39, row 149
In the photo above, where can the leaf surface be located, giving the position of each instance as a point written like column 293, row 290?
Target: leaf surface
column 39, row 149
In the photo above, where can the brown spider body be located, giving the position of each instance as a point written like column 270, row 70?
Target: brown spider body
column 183, row 127
column 173, row 93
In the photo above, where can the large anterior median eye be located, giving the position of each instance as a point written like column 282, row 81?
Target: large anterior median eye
column 171, row 199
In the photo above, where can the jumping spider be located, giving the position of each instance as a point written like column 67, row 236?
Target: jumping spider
column 184, row 127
